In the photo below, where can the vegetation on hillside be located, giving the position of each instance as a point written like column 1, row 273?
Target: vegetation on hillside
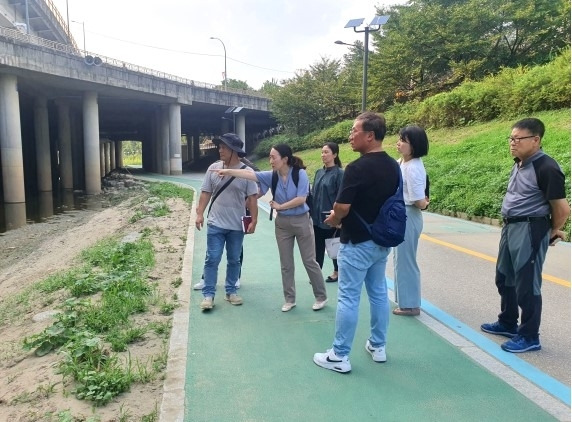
column 468, row 166
column 429, row 47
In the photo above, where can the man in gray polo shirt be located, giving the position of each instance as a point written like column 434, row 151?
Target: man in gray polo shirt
column 534, row 210
column 224, row 218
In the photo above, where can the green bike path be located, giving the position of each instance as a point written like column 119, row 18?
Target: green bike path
column 254, row 362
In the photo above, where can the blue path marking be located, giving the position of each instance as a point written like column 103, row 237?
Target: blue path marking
column 526, row 370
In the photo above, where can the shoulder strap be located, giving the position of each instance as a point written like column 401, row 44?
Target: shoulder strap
column 216, row 195
column 295, row 178
column 296, row 175
column 399, row 191
column 273, row 189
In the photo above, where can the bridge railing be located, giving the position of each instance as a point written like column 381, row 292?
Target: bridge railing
column 53, row 10
column 73, row 50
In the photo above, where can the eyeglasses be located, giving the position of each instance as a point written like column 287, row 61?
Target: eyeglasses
column 353, row 132
column 517, row 140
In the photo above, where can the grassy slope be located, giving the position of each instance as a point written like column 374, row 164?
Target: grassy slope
column 469, row 166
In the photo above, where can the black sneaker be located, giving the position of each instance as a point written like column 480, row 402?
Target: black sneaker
column 499, row 329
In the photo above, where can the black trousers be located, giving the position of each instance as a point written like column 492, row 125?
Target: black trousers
column 320, row 236
column 522, row 250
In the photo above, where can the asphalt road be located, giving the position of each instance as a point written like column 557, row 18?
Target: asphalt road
column 457, row 261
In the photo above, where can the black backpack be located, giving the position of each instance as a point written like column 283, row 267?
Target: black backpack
column 295, row 178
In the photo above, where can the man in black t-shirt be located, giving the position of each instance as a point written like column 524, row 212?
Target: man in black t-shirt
column 368, row 182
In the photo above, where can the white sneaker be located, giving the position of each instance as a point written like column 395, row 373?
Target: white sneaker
column 199, row 285
column 377, row 353
column 207, row 303
column 330, row 360
column 237, row 284
column 288, row 306
column 319, row 305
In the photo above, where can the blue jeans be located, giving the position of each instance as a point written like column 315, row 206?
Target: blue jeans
column 359, row 263
column 216, row 239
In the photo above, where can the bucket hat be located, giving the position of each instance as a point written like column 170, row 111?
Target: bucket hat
column 233, row 141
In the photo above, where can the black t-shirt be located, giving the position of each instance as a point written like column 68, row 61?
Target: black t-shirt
column 367, row 183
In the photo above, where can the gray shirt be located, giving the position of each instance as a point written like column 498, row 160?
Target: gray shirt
column 229, row 207
column 538, row 180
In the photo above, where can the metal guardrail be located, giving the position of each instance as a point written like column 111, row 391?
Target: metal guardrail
column 59, row 18
column 73, row 50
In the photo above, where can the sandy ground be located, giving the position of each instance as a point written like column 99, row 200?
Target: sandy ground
column 30, row 388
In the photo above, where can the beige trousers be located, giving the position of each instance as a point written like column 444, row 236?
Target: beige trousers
column 299, row 227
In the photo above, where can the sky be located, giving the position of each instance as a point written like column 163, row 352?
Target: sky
column 264, row 39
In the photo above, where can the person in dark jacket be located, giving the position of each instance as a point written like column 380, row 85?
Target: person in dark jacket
column 327, row 182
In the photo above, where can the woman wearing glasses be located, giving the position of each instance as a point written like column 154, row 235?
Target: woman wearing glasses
column 412, row 145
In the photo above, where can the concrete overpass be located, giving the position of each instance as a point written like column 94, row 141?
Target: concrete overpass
column 64, row 113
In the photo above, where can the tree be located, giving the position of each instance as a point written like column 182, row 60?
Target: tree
column 238, row 85
column 429, row 46
column 313, row 99
column 270, row 87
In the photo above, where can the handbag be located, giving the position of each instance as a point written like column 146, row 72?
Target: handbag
column 333, row 246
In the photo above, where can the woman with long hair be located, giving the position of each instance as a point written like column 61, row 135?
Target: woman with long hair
column 292, row 220
column 327, row 182
column 412, row 145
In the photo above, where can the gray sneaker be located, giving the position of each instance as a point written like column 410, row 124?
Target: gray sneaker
column 199, row 285
column 233, row 298
column 207, row 303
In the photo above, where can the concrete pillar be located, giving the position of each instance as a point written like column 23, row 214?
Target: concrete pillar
column 196, row 151
column 119, row 153
column 166, row 166
column 91, row 144
column 112, row 159
column 102, row 159
column 175, row 139
column 46, row 204
column 107, row 158
column 43, row 158
column 65, row 147
column 156, row 134
column 11, row 153
column 240, row 129
column 225, row 125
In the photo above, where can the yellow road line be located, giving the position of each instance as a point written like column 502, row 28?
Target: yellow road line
column 487, row 258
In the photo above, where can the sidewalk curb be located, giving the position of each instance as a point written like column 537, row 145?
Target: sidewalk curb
column 173, row 404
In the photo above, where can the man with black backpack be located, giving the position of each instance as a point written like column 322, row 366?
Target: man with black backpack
column 224, row 218
column 367, row 184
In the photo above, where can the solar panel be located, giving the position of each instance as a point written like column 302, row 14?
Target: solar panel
column 379, row 20
column 354, row 23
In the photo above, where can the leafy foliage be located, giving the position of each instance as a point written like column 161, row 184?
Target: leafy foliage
column 431, row 46
column 469, row 166
column 116, row 271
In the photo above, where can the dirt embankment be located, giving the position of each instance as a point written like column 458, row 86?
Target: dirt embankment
column 31, row 390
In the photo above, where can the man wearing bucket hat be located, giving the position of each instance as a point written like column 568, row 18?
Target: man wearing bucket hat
column 224, row 218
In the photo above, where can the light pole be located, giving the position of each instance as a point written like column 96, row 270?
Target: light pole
column 27, row 18
column 374, row 26
column 224, row 47
column 83, row 26
column 68, row 17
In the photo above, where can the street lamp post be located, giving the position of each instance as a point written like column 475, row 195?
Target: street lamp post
column 83, row 26
column 374, row 26
column 27, row 18
column 224, row 48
